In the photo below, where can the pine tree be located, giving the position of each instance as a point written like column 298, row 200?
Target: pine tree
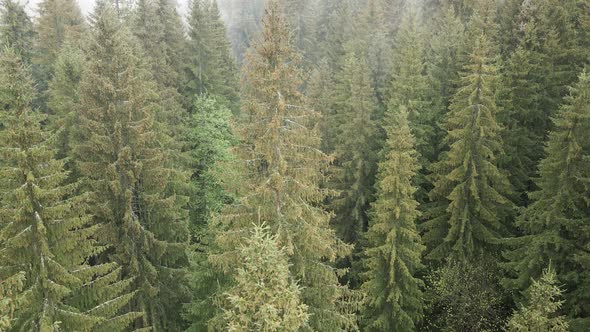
column 265, row 297
column 58, row 21
column 393, row 243
column 283, row 166
column 555, row 224
column 124, row 157
column 409, row 90
column 16, row 29
column 356, row 150
column 470, row 191
column 64, row 99
column 46, row 232
column 540, row 314
column 210, row 69
column 320, row 91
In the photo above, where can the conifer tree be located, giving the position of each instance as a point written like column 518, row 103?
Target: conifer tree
column 540, row 314
column 283, row 167
column 58, row 21
column 16, row 29
column 555, row 224
column 265, row 296
column 356, row 148
column 470, row 191
column 124, row 157
column 394, row 249
column 409, row 90
column 321, row 97
column 64, row 99
column 210, row 68
column 444, row 62
column 46, row 235
column 10, row 298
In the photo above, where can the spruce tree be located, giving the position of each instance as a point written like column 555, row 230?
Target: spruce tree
column 10, row 298
column 265, row 297
column 393, row 245
column 58, row 21
column 555, row 224
column 320, row 91
column 16, row 29
column 540, row 314
column 64, row 99
column 46, row 232
column 283, row 167
column 124, row 157
column 470, row 192
column 409, row 90
column 356, row 148
column 210, row 68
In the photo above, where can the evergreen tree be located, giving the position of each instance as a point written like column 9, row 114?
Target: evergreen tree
column 540, row 314
column 469, row 190
column 64, row 99
column 264, row 298
column 356, row 148
column 16, row 29
column 444, row 62
column 555, row 224
column 283, row 166
column 210, row 68
column 45, row 231
column 124, row 156
column 409, row 90
column 393, row 243
column 321, row 98
column 58, row 21
column 10, row 298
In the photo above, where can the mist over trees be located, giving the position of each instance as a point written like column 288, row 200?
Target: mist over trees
column 295, row 165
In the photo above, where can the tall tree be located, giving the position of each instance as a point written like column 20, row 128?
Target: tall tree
column 46, row 231
column 393, row 244
column 16, row 29
column 265, row 297
column 125, row 159
column 409, row 90
column 470, row 191
column 283, row 166
column 540, row 314
column 356, row 148
column 556, row 223
column 210, row 68
column 58, row 21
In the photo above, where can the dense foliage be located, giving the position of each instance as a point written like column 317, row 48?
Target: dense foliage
column 295, row 165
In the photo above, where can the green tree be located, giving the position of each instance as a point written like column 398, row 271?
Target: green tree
column 464, row 296
column 409, row 89
column 210, row 68
column 124, row 157
column 16, row 29
column 470, row 192
column 10, row 298
column 58, row 21
column 46, row 231
column 265, row 297
column 393, row 249
column 283, row 167
column 540, row 314
column 555, row 224
column 356, row 148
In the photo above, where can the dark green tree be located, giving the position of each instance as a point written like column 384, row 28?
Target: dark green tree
column 393, row 246
column 470, row 192
column 126, row 161
column 555, row 224
column 46, row 231
column 16, row 29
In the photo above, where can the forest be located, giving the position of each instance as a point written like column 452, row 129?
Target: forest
column 295, row 165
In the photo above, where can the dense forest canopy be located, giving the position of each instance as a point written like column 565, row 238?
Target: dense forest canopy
column 295, row 165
